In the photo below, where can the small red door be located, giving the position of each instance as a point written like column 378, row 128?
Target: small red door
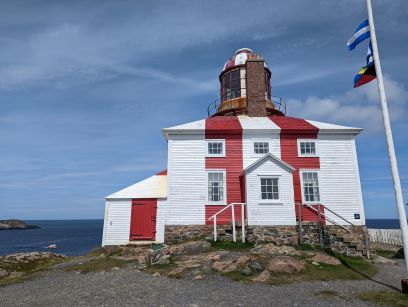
column 143, row 219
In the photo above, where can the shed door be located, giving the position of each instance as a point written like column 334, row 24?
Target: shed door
column 143, row 219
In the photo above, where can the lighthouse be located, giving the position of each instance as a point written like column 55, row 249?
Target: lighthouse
column 245, row 87
column 247, row 165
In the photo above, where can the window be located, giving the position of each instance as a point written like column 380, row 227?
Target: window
column 216, row 186
column 261, row 148
column 307, row 148
column 269, row 188
column 311, row 191
column 215, row 148
column 231, row 85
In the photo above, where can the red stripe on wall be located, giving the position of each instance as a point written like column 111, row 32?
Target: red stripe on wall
column 293, row 129
column 228, row 128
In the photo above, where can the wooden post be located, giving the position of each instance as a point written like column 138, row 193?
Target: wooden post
column 243, row 222
column 300, row 222
column 367, row 242
column 215, row 228
column 234, row 233
column 319, row 224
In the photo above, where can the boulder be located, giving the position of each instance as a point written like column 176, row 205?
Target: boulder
column 198, row 277
column 159, row 256
column 247, row 271
column 263, row 277
column 382, row 260
column 326, row 259
column 230, row 265
column 256, row 266
column 176, row 272
column 193, row 247
column 272, row 249
column 285, row 264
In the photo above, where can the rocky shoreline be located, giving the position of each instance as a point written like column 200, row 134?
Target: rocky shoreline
column 15, row 224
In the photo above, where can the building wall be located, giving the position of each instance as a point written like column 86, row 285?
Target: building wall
column 160, row 219
column 116, row 228
column 187, row 179
column 270, row 213
column 339, row 177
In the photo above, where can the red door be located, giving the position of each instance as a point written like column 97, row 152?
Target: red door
column 143, row 219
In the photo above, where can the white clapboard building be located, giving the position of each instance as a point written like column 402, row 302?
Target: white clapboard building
column 249, row 155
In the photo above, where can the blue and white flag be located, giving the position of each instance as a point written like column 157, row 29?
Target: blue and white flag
column 362, row 33
column 370, row 58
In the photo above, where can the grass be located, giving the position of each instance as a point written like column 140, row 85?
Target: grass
column 232, row 246
column 27, row 269
column 98, row 265
column 384, row 298
column 161, row 268
column 390, row 254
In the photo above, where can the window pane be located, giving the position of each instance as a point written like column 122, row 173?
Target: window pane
column 307, row 148
column 215, row 186
column 269, row 188
column 311, row 186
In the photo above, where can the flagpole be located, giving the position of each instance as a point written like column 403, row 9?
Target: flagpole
column 388, row 134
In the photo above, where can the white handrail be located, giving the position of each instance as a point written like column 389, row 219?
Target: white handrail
column 327, row 218
column 234, row 231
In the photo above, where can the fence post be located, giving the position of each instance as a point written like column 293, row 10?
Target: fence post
column 243, row 222
column 300, row 222
column 234, row 234
column 215, row 228
column 319, row 224
column 367, row 242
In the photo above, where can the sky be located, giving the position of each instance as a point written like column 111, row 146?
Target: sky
column 87, row 86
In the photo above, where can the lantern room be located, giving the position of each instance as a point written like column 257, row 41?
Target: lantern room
column 245, row 87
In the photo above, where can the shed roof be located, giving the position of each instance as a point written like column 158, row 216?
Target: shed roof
column 152, row 187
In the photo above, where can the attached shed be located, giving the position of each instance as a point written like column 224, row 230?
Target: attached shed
column 136, row 213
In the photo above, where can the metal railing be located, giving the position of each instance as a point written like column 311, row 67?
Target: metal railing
column 279, row 103
column 234, row 231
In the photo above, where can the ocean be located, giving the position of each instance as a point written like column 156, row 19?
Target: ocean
column 77, row 237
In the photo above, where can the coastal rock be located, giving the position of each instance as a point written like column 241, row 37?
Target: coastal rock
column 15, row 224
column 263, row 277
column 326, row 259
column 193, row 247
column 160, row 256
column 285, row 264
column 230, row 265
column 272, row 249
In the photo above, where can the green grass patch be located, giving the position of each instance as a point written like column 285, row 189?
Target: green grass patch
column 98, row 265
column 233, row 246
column 390, row 254
column 384, row 298
column 26, row 269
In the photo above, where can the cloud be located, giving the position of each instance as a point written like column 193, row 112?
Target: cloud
column 358, row 107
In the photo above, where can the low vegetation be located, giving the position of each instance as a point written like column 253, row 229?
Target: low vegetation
column 20, row 267
column 233, row 246
column 98, row 264
column 384, row 298
column 390, row 254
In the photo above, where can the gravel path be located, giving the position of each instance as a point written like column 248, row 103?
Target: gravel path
column 130, row 287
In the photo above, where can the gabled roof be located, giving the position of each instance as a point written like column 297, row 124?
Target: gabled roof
column 327, row 128
column 152, row 187
column 269, row 157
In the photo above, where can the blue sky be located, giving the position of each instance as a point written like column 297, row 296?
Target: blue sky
column 86, row 86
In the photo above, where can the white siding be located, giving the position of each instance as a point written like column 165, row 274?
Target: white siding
column 160, row 220
column 187, row 180
column 282, row 213
column 116, row 228
column 260, row 129
column 339, row 178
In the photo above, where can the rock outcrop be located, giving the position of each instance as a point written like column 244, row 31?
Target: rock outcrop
column 15, row 224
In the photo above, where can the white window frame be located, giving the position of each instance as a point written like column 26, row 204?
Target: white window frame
column 260, row 141
column 269, row 201
column 224, row 202
column 308, row 141
column 222, row 154
column 302, row 186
